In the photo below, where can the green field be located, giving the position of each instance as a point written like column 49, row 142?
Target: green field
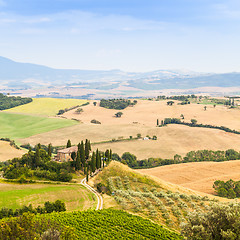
column 112, row 224
column 16, row 126
column 76, row 197
column 46, row 106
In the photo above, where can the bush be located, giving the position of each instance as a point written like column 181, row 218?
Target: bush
column 219, row 222
column 95, row 121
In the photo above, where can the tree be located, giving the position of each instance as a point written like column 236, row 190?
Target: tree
column 214, row 105
column 154, row 137
column 87, row 172
column 219, row 222
column 93, row 162
column 110, row 154
column 49, row 149
column 98, row 159
column 193, row 121
column 118, row 114
column 157, row 122
column 79, row 110
column 205, row 108
column 139, row 135
column 129, row 158
column 170, row 103
column 82, row 154
column 94, row 103
column 78, row 161
column 86, row 149
column 69, row 143
column 182, row 116
column 37, row 158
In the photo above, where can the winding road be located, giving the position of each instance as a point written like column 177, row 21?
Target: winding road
column 99, row 197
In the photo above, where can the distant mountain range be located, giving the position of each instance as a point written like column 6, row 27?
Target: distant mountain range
column 15, row 75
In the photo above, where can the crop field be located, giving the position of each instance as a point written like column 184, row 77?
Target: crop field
column 46, row 106
column 15, row 126
column 142, row 118
column 8, row 152
column 157, row 200
column 76, row 197
column 198, row 176
column 112, row 224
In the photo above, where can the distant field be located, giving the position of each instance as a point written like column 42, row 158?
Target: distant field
column 76, row 197
column 198, row 176
column 142, row 118
column 46, row 106
column 21, row 126
column 7, row 152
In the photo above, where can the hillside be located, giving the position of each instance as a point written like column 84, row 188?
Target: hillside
column 198, row 176
column 8, row 152
column 150, row 197
column 46, row 106
column 76, row 197
column 142, row 118
column 16, row 126
column 34, row 80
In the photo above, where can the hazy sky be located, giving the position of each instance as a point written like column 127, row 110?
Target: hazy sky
column 132, row 35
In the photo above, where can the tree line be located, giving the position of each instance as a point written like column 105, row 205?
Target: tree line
column 49, row 207
column 167, row 121
column 7, row 102
column 117, row 103
column 38, row 163
column 192, row 156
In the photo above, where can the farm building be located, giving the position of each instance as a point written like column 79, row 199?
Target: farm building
column 64, row 155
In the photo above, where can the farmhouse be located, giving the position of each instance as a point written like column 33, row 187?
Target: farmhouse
column 64, row 155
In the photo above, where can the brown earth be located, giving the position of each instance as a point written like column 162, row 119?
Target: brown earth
column 7, row 152
column 198, row 176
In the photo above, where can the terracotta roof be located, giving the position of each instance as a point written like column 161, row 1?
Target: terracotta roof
column 68, row 150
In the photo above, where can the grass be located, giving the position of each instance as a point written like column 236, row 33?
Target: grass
column 46, row 106
column 76, row 197
column 16, row 126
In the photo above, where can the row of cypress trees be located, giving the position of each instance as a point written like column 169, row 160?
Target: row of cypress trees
column 89, row 162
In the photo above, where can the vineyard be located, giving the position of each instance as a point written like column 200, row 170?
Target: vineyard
column 112, row 224
column 136, row 193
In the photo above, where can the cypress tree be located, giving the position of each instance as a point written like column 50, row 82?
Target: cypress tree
column 93, row 162
column 39, row 145
column 49, row 149
column 97, row 160
column 82, row 154
column 110, row 154
column 87, row 173
column 157, row 122
column 78, row 161
column 36, row 157
column 79, row 146
column 86, row 149
column 89, row 145
column 100, row 159
column 69, row 144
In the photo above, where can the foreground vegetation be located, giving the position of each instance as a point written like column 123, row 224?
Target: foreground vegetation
column 102, row 224
column 7, row 102
column 144, row 196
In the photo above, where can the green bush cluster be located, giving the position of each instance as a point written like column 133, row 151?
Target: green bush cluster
column 116, row 103
column 228, row 189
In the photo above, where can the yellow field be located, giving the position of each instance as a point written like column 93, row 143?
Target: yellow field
column 7, row 152
column 46, row 106
column 198, row 176
column 142, row 118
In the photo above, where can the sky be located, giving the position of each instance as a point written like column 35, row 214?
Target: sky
column 131, row 35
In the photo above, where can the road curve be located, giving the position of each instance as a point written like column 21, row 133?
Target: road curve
column 99, row 197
